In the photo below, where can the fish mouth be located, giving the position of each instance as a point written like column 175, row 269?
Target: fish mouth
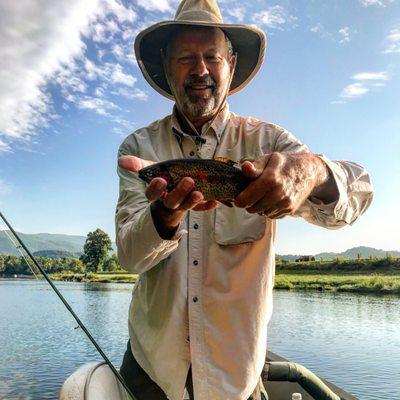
column 142, row 175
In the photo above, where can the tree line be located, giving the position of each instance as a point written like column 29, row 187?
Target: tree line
column 96, row 257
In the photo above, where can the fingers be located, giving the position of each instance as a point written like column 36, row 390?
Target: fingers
column 268, row 205
column 182, row 198
column 254, row 169
column 155, row 189
column 176, row 197
column 228, row 203
column 206, row 205
column 191, row 201
column 133, row 163
column 252, row 194
column 264, row 184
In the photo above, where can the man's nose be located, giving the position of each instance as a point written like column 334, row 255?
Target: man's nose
column 200, row 67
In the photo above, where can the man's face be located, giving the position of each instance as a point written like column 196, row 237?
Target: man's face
column 198, row 67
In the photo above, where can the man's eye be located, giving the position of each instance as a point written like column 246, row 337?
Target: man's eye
column 213, row 58
column 185, row 59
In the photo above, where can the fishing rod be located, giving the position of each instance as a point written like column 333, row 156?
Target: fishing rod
column 61, row 297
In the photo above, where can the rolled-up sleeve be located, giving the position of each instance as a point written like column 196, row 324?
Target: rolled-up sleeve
column 353, row 184
column 138, row 243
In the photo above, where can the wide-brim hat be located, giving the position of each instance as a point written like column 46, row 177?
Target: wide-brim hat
column 248, row 41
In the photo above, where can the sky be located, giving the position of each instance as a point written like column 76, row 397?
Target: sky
column 71, row 91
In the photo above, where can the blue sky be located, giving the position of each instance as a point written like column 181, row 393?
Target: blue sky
column 70, row 91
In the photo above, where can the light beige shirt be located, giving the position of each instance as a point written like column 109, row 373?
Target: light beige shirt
column 205, row 297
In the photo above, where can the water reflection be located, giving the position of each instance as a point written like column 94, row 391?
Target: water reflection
column 353, row 340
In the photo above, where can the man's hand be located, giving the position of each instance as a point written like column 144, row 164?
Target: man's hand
column 283, row 181
column 168, row 209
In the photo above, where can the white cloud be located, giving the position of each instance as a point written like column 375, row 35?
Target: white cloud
column 132, row 94
column 344, row 34
column 156, row 5
column 364, row 82
column 354, row 90
column 371, row 76
column 118, row 76
column 100, row 106
column 4, row 146
column 99, row 91
column 39, row 48
column 104, row 31
column 320, row 30
column 117, row 9
column 392, row 41
column 367, row 3
column 317, row 28
column 237, row 13
column 26, row 63
column 274, row 17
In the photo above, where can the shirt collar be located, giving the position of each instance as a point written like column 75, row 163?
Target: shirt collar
column 216, row 125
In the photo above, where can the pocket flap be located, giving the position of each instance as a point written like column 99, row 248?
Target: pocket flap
column 235, row 225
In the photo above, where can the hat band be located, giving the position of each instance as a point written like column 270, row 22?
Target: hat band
column 198, row 16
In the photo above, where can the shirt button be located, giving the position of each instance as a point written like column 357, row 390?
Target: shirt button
column 196, row 226
column 188, row 338
column 195, row 299
column 195, row 262
column 191, row 154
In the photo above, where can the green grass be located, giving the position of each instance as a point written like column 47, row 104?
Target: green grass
column 386, row 265
column 106, row 277
column 381, row 275
column 373, row 283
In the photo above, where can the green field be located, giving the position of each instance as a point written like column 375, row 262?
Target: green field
column 103, row 277
column 373, row 283
column 380, row 275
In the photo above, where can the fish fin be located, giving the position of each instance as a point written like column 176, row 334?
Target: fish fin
column 225, row 160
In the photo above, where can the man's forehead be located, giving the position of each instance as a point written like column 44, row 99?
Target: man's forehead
column 188, row 35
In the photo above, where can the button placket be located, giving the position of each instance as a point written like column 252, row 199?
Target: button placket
column 195, row 295
column 195, row 284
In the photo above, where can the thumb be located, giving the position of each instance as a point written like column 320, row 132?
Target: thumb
column 254, row 169
column 133, row 163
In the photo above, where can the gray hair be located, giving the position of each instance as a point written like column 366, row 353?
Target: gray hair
column 229, row 44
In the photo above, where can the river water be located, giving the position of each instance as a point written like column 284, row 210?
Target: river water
column 352, row 340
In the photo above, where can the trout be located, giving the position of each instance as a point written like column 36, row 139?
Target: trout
column 217, row 179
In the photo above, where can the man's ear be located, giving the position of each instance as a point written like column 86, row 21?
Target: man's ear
column 232, row 62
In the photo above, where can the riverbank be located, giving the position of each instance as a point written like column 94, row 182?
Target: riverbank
column 372, row 283
column 352, row 283
column 379, row 276
column 376, row 275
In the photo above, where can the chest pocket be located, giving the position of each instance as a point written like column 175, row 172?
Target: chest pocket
column 235, row 225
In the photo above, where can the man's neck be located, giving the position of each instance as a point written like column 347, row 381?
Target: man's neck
column 198, row 123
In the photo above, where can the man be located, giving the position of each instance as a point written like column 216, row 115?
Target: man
column 203, row 298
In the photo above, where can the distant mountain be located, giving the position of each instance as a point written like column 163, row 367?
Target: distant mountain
column 50, row 244
column 43, row 242
column 365, row 252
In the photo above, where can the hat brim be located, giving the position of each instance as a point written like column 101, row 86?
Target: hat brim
column 249, row 42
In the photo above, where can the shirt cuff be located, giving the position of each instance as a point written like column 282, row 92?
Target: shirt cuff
column 336, row 209
column 151, row 236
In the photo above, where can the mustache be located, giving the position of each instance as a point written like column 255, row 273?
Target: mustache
column 206, row 80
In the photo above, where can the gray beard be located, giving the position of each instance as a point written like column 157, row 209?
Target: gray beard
column 199, row 108
column 202, row 108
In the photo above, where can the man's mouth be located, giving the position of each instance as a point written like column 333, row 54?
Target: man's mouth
column 199, row 88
